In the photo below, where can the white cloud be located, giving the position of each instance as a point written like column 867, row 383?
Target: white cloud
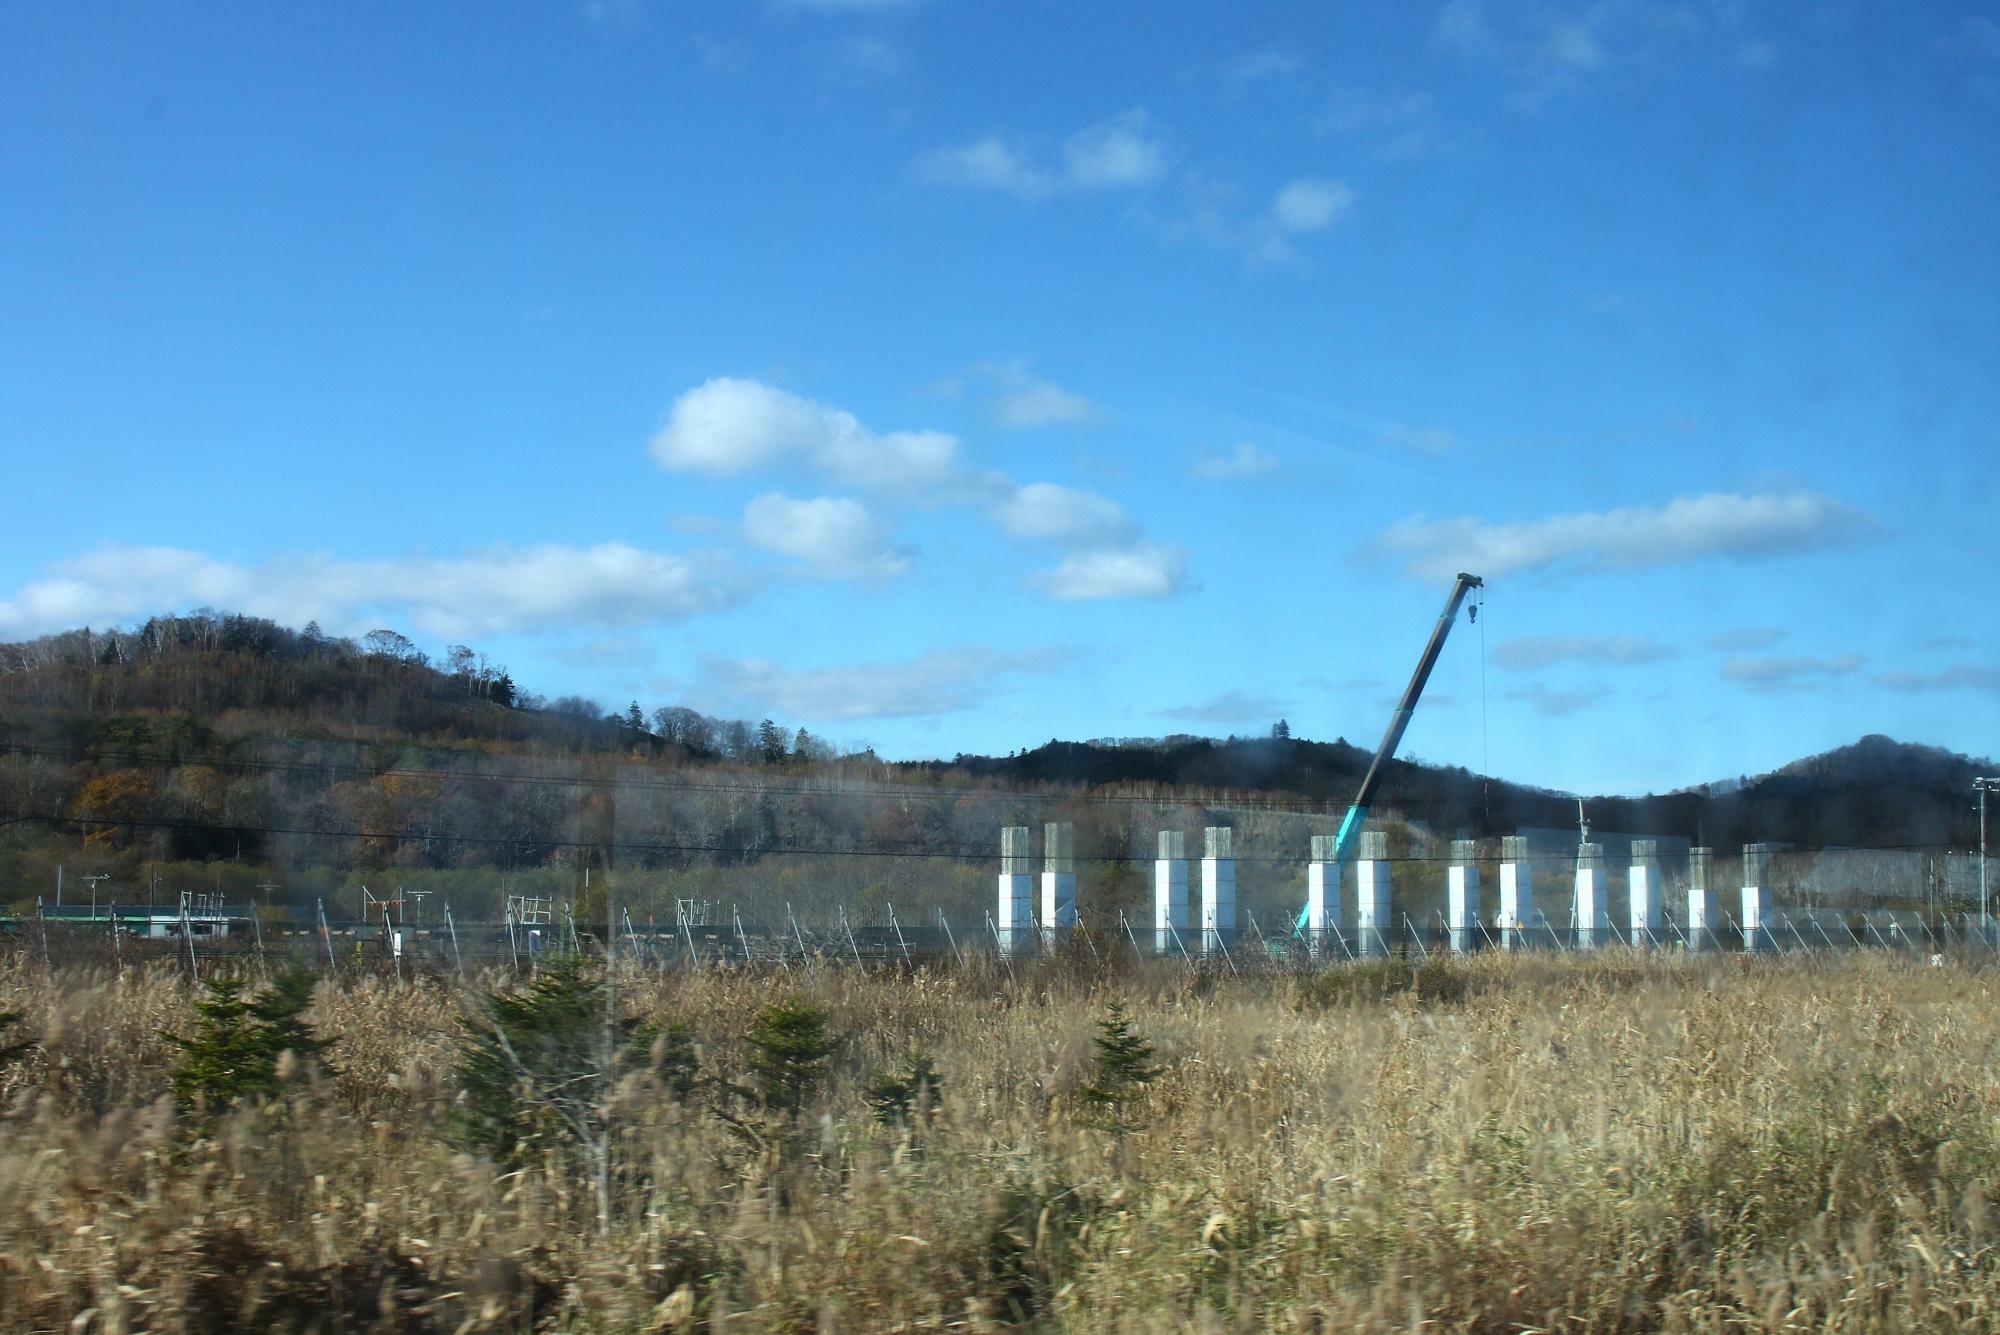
column 1022, row 400
column 1401, row 124
column 1310, row 204
column 834, row 535
column 729, row 426
column 1041, row 403
column 1975, row 38
column 1265, row 64
column 1957, row 677
column 612, row 13
column 1539, row 651
column 1782, row 672
column 1139, row 570
column 1218, row 213
column 1046, row 512
column 1117, row 154
column 1544, row 52
column 865, row 60
column 848, row 6
column 493, row 591
column 1230, row 707
column 1756, row 54
column 1689, row 528
column 1554, row 703
column 984, row 164
column 1246, row 460
column 1750, row 637
column 944, row 681
column 1432, row 440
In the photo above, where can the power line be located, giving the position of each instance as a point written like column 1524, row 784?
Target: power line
column 834, row 787
column 957, row 853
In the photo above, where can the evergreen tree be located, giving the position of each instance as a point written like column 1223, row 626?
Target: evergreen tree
column 238, row 1039
column 789, row 1047
column 536, row 1066
column 1124, row 1065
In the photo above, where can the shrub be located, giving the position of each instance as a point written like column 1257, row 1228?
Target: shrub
column 14, row 1051
column 902, row 1100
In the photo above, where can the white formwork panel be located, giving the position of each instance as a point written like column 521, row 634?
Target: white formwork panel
column 1058, row 877
column 1756, row 903
column 1643, row 892
column 1517, row 891
column 1322, row 892
column 1593, row 915
column 1170, row 893
column 1374, row 923
column 1218, row 890
column 1014, row 914
column 1462, row 895
column 1703, row 913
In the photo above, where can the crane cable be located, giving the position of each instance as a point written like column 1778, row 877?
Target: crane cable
column 1485, row 749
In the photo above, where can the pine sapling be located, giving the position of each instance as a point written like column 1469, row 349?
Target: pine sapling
column 1124, row 1066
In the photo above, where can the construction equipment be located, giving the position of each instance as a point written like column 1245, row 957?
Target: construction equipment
column 1350, row 825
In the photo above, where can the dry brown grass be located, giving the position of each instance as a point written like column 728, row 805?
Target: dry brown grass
column 1610, row 1143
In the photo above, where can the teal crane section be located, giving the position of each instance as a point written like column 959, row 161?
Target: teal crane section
column 1399, row 722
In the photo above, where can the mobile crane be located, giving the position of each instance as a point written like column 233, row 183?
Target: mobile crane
column 1350, row 824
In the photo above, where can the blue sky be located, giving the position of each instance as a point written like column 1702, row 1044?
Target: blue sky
column 952, row 377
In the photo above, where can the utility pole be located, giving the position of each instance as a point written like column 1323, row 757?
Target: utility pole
column 92, row 881
column 1985, row 785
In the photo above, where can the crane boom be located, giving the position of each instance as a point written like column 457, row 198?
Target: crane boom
column 1399, row 722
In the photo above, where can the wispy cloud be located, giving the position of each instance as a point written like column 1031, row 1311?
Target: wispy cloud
column 612, row 13
column 848, row 6
column 1269, row 64
column 1718, row 525
column 943, row 681
column 1019, row 399
column 1976, row 37
column 1555, row 703
column 1789, row 672
column 1957, row 677
column 1222, row 214
column 1538, row 651
column 1122, row 153
column 1246, row 460
column 1744, row 640
column 860, row 61
column 1546, row 51
column 1230, row 707
column 1310, row 204
column 1400, row 124
column 499, row 589
column 1756, row 54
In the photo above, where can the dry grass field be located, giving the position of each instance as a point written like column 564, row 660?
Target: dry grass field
column 1608, row 1143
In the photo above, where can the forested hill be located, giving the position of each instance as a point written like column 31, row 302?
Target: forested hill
column 1876, row 792
column 216, row 687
